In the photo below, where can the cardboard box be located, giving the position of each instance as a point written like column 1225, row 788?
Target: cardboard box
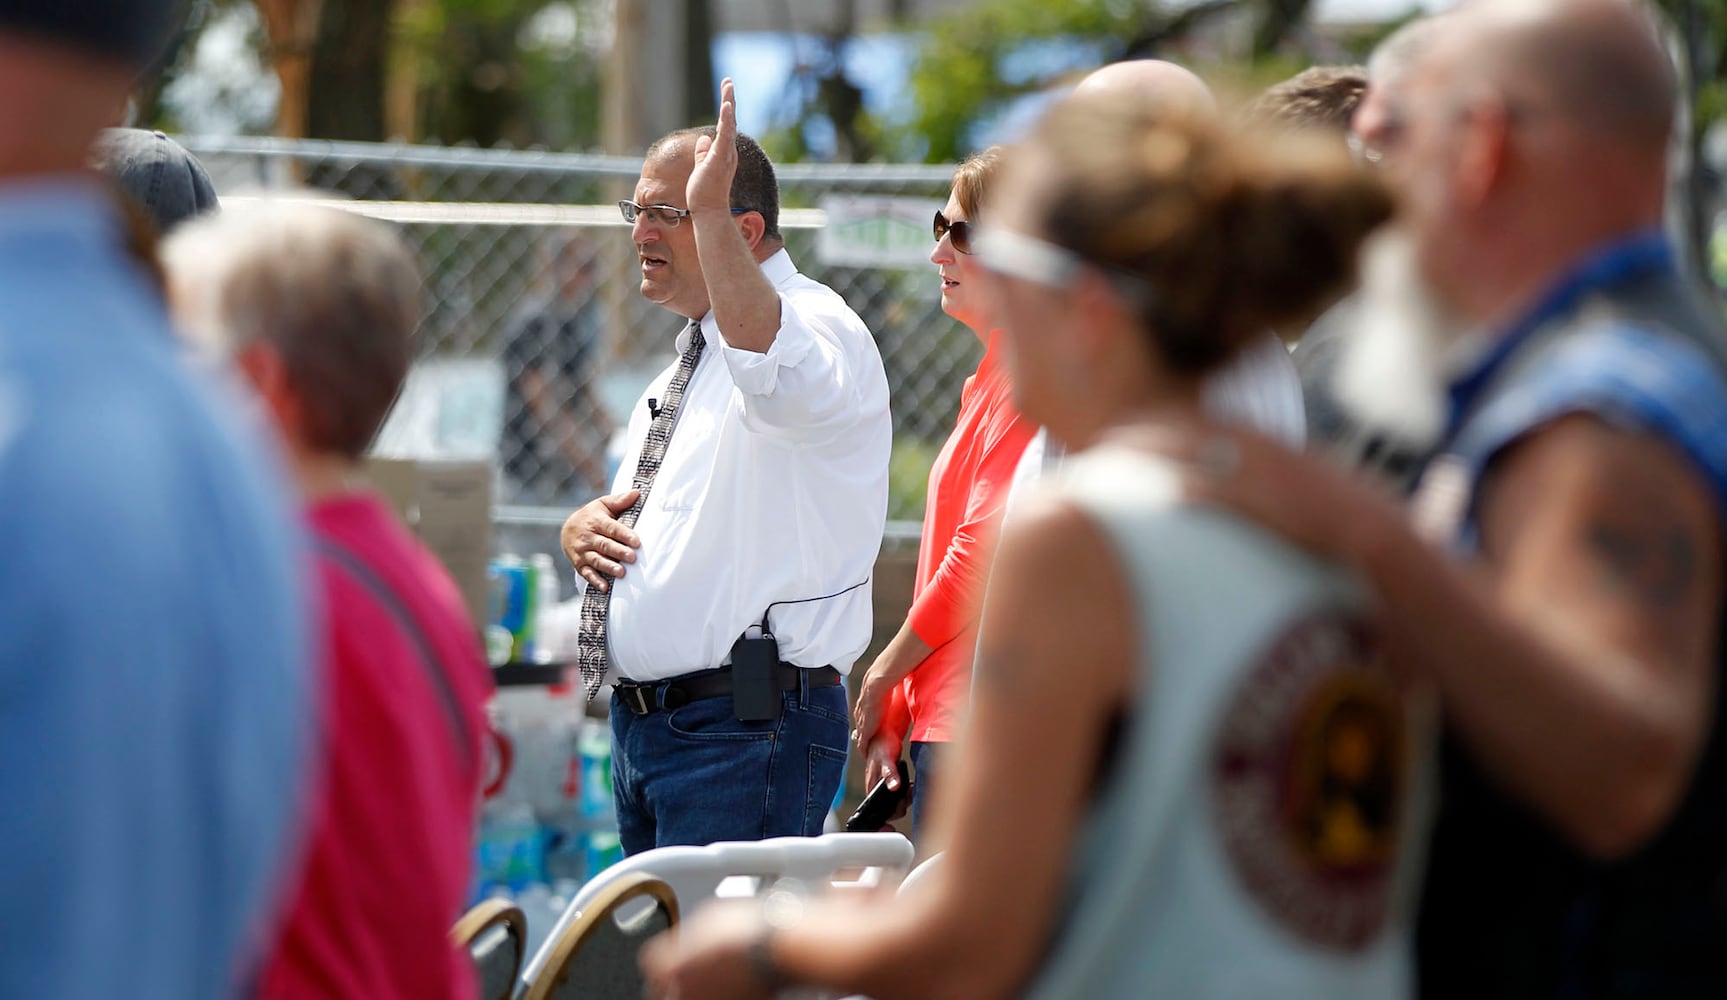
column 448, row 504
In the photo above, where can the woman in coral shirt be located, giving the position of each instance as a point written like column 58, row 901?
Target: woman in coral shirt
column 922, row 680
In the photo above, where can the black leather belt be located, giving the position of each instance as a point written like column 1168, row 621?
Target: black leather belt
column 641, row 699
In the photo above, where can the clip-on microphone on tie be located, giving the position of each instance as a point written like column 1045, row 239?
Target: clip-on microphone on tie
column 653, row 408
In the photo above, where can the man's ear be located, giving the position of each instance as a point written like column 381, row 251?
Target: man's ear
column 265, row 371
column 1482, row 151
column 753, row 227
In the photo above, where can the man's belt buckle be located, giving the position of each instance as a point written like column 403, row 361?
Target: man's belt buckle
column 638, row 698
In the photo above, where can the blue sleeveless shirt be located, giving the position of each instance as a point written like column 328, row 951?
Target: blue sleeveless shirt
column 1512, row 908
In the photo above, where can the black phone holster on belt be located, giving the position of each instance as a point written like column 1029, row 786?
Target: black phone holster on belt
column 755, row 676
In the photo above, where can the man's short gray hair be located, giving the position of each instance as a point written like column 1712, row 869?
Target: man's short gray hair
column 336, row 295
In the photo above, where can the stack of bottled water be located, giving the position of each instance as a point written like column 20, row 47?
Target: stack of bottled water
column 553, row 825
column 526, row 623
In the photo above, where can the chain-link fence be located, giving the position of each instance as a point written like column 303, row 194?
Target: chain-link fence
column 536, row 342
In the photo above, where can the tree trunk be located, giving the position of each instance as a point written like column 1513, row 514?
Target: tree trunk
column 843, row 99
column 292, row 29
column 345, row 92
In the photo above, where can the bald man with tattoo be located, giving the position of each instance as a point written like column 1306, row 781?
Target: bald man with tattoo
column 1558, row 572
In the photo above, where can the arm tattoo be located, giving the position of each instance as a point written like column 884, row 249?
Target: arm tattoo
column 1650, row 558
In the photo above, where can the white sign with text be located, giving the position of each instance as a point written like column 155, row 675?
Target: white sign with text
column 877, row 230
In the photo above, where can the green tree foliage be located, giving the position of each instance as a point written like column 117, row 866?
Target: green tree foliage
column 968, row 68
column 1704, row 23
column 510, row 71
column 1702, row 29
column 819, row 92
column 963, row 73
column 523, row 72
column 958, row 78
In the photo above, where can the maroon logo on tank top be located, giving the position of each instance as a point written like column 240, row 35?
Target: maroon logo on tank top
column 1311, row 775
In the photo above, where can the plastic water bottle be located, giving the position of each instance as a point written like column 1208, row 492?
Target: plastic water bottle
column 512, row 602
column 604, row 851
column 510, row 853
column 594, row 746
column 545, row 580
column 599, row 811
column 499, row 642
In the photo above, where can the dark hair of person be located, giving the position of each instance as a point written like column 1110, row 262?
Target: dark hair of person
column 1230, row 233
column 754, row 186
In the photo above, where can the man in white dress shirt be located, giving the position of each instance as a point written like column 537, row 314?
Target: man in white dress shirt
column 768, row 508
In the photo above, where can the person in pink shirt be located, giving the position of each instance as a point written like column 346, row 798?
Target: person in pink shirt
column 316, row 310
column 921, row 682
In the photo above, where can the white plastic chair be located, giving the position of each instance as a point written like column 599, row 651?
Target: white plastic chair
column 921, row 872
column 743, row 869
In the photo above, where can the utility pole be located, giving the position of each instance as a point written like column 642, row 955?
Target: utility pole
column 659, row 77
column 698, row 35
column 648, row 74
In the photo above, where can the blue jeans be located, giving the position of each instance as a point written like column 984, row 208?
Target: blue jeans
column 926, row 761
column 696, row 775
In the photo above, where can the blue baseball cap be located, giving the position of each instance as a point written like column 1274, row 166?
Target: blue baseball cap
column 165, row 180
column 132, row 32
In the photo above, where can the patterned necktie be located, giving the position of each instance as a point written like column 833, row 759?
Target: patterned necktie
column 597, row 603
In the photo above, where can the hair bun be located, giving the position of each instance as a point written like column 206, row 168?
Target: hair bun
column 1239, row 232
column 1293, row 230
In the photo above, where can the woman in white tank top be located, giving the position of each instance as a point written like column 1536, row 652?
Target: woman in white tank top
column 1187, row 773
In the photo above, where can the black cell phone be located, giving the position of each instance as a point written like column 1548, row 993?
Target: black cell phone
column 880, row 804
column 755, row 679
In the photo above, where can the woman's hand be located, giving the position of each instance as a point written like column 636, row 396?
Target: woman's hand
column 904, row 653
column 881, row 760
column 873, row 694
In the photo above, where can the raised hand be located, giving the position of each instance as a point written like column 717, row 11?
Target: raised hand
column 710, row 184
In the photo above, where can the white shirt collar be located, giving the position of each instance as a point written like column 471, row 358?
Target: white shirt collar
column 778, row 268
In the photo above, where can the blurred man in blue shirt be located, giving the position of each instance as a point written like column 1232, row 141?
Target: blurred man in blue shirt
column 153, row 678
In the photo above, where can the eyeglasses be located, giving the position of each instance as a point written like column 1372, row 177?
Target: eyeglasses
column 960, row 231
column 1016, row 255
column 664, row 216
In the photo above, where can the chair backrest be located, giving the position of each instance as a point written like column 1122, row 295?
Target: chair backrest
column 696, row 874
column 494, row 934
column 594, row 956
column 921, row 872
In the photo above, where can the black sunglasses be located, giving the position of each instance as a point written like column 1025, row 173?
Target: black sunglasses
column 960, row 231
